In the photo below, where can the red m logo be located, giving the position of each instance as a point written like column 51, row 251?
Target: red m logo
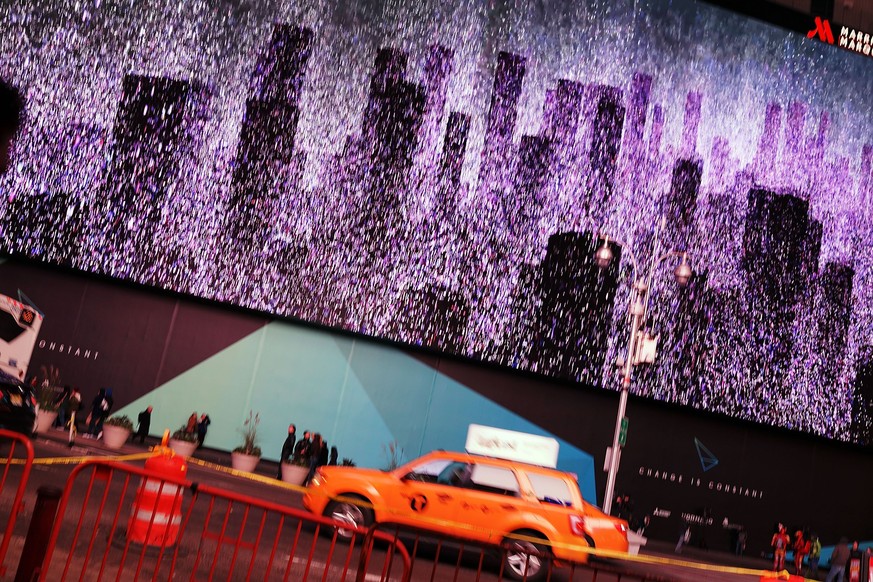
column 823, row 30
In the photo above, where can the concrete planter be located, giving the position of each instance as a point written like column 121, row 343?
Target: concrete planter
column 294, row 474
column 115, row 436
column 244, row 462
column 45, row 419
column 183, row 448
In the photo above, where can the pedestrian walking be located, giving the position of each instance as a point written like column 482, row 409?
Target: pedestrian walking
column 839, row 558
column 60, row 403
column 71, row 408
column 145, row 420
column 100, row 407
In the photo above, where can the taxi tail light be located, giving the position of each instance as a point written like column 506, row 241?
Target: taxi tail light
column 622, row 528
column 577, row 525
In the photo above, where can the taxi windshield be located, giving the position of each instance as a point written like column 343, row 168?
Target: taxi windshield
column 550, row 489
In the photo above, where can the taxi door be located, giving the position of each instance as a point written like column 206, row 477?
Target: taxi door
column 489, row 499
column 425, row 497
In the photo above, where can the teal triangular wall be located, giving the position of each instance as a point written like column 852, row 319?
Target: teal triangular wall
column 359, row 395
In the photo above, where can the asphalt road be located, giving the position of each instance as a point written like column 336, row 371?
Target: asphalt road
column 225, row 539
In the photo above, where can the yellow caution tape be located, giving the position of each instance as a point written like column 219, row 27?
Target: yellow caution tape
column 246, row 475
column 76, row 460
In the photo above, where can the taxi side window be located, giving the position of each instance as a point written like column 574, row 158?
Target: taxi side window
column 549, row 489
column 456, row 474
column 429, row 472
column 491, row 479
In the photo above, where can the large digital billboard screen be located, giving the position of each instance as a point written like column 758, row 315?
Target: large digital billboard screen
column 437, row 174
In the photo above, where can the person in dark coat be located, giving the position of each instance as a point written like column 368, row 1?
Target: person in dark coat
column 202, row 427
column 839, row 558
column 316, row 449
column 145, row 420
column 301, row 450
column 322, row 454
column 100, row 407
column 334, row 455
column 287, row 448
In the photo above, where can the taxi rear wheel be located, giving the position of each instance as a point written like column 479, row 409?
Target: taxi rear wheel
column 524, row 559
column 349, row 512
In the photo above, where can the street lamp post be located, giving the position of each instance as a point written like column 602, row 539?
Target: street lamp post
column 639, row 303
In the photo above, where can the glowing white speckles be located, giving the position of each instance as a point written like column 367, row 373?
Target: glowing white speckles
column 361, row 225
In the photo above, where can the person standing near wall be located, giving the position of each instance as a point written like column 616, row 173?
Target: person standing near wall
column 287, row 448
column 301, row 450
column 315, row 454
column 191, row 426
column 11, row 119
column 202, row 428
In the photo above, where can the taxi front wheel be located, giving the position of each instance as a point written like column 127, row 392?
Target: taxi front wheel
column 351, row 513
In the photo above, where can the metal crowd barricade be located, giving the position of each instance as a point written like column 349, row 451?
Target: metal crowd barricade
column 438, row 557
column 19, row 460
column 216, row 535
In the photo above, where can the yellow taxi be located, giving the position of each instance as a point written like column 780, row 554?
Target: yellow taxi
column 474, row 497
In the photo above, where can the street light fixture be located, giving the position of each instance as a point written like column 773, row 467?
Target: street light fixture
column 638, row 309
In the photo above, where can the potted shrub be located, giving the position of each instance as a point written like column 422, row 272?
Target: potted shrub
column 246, row 456
column 116, row 431
column 183, row 443
column 47, row 405
column 296, row 471
column 48, row 408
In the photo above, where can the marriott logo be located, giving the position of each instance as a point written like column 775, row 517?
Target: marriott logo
column 850, row 38
column 855, row 40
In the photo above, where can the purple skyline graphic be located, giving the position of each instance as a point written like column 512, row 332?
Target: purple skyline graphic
column 437, row 174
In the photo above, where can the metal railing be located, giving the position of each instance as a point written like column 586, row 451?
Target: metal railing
column 105, row 530
column 16, row 469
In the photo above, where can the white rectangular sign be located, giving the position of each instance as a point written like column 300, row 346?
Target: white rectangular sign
column 19, row 327
column 511, row 445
